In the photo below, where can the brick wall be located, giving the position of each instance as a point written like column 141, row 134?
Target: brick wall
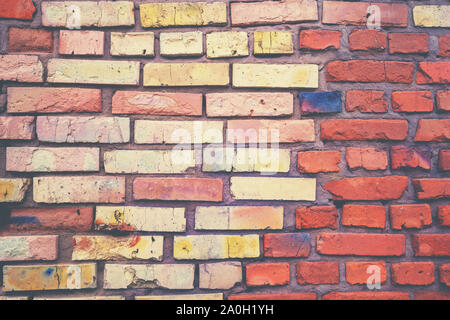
column 99, row 201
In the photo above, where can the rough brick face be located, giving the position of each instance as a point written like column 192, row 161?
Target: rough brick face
column 360, row 272
column 410, row 216
column 318, row 161
column 366, row 158
column 367, row 40
column 30, row 40
column 408, row 43
column 320, row 39
column 271, row 274
column 370, row 216
column 320, row 272
column 413, row 273
column 316, row 217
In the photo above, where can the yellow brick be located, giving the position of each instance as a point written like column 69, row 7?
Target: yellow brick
column 226, row 44
column 275, row 75
column 186, row 74
column 183, row 14
column 270, row 188
column 273, row 42
column 204, row 296
column 432, row 16
column 132, row 44
column 181, row 43
column 13, row 190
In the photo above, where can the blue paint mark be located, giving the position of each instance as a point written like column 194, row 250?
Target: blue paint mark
column 320, row 102
column 49, row 272
column 24, row 220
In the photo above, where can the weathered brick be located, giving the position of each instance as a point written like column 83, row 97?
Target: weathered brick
column 272, row 42
column 272, row 12
column 186, row 74
column 226, row 44
column 444, row 46
column 355, row 13
column 274, row 296
column 444, row 215
column 21, row 68
column 16, row 128
column 93, row 72
column 431, row 295
column 410, row 216
column 250, row 75
column 135, row 276
column 318, row 161
column 69, row 129
column 81, row 43
column 367, row 40
column 431, row 16
column 354, row 215
column 272, row 274
column 248, row 104
column 204, row 247
column 181, row 43
column 50, row 277
column 212, row 275
column 432, row 188
column 79, row 189
column 268, row 188
column 285, row 245
column 431, row 245
column 93, row 13
column 183, row 297
column 444, row 160
column 245, row 159
column 443, row 100
column 320, row 102
column 259, row 131
column 238, row 218
column 366, row 158
column 132, row 44
column 413, row 273
column 89, row 298
column 17, row 9
column 408, row 43
column 435, row 130
column 148, row 161
column 444, row 274
column 151, row 219
column 13, row 189
column 412, row 101
column 175, row 132
column 28, row 248
column 364, row 129
column 367, row 295
column 316, row 217
column 30, row 40
column 53, row 100
column 317, row 272
column 117, row 248
column 361, row 244
column 320, row 39
column 433, row 72
column 367, row 188
column 155, row 15
column 408, row 157
column 360, row 272
column 50, row 220
column 366, row 101
column 170, row 189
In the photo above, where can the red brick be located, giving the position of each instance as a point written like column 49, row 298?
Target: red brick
column 355, row 215
column 444, row 160
column 408, row 43
column 412, row 101
column 273, row 274
column 432, row 188
column 316, row 217
column 429, row 245
column 444, row 215
column 184, row 189
column 366, row 158
column 410, row 216
column 444, row 274
column 364, row 129
column 16, row 128
column 367, row 40
column 399, row 72
column 274, row 296
column 413, row 273
column 81, row 42
column 444, row 46
column 320, row 39
column 355, row 13
column 280, row 245
column 407, row 157
column 433, row 72
column 30, row 40
column 443, row 100
column 361, row 244
column 366, row 295
column 366, row 101
column 58, row 220
column 437, row 130
column 431, row 295
column 318, row 161
column 320, row 272
column 17, row 9
column 358, row 272
column 368, row 188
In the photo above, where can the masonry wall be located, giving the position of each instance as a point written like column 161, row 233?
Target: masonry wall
column 95, row 204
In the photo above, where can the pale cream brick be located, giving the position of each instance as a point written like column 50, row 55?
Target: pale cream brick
column 221, row 275
column 181, row 43
column 27, row 248
column 133, row 44
column 226, row 44
column 273, row 42
column 196, row 297
column 432, row 16
column 13, row 189
column 149, row 219
column 271, row 188
column 134, row 276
